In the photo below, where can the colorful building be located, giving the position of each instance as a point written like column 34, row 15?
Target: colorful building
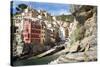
column 33, row 32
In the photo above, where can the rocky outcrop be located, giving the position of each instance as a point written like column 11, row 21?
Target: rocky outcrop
column 76, row 57
column 83, row 37
column 84, row 32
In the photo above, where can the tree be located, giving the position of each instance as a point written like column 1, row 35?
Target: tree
column 21, row 7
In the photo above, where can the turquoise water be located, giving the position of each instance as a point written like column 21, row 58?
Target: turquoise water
column 36, row 61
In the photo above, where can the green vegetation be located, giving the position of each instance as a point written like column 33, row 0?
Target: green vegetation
column 21, row 7
column 77, row 34
column 65, row 18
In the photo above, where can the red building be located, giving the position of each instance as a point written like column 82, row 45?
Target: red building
column 31, row 31
column 36, row 32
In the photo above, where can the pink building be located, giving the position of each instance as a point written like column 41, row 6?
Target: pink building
column 27, row 31
column 31, row 31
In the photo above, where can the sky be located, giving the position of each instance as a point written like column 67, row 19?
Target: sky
column 52, row 8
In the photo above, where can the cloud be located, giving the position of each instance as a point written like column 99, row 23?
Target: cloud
column 59, row 12
column 64, row 11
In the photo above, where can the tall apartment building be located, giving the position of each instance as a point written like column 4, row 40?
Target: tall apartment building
column 33, row 31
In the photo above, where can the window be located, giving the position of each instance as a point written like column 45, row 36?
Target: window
column 35, row 36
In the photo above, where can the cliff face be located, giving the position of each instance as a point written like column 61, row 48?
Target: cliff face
column 82, row 45
column 84, row 28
